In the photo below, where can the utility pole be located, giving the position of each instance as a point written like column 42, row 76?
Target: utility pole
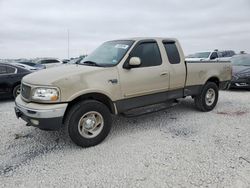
column 68, row 43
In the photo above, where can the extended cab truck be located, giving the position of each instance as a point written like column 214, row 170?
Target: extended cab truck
column 118, row 77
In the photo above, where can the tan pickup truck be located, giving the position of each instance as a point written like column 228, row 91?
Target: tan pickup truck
column 118, row 77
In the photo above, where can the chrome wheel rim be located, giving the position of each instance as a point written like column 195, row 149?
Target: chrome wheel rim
column 210, row 97
column 90, row 124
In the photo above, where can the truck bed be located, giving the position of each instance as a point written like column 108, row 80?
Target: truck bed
column 199, row 71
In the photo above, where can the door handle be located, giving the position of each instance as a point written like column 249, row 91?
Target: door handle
column 164, row 74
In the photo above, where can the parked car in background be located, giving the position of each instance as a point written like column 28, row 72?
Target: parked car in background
column 25, row 66
column 50, row 62
column 10, row 79
column 226, row 55
column 76, row 60
column 32, row 64
column 211, row 55
column 241, row 71
column 65, row 61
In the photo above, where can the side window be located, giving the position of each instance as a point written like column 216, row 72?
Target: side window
column 149, row 54
column 220, row 54
column 53, row 61
column 214, row 55
column 11, row 70
column 43, row 62
column 3, row 69
column 172, row 52
column 49, row 61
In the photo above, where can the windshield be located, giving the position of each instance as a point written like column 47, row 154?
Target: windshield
column 241, row 60
column 108, row 54
column 200, row 55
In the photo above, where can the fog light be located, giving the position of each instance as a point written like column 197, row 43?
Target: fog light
column 34, row 122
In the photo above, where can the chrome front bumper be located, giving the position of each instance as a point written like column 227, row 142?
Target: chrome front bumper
column 46, row 116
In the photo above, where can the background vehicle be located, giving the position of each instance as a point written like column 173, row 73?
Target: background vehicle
column 25, row 66
column 211, row 55
column 65, row 61
column 10, row 79
column 76, row 60
column 226, row 55
column 241, row 71
column 119, row 77
column 50, row 62
column 35, row 65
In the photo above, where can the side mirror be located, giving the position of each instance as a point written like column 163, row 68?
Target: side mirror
column 134, row 62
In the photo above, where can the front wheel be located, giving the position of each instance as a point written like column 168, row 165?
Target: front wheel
column 208, row 98
column 89, row 123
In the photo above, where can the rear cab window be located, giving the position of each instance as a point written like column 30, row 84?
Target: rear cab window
column 172, row 51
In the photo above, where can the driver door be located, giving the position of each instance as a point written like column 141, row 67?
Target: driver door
column 148, row 79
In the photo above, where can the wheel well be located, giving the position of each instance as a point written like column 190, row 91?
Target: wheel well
column 14, row 85
column 215, row 80
column 93, row 96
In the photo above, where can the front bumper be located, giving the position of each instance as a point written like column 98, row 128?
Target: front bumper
column 44, row 116
column 240, row 83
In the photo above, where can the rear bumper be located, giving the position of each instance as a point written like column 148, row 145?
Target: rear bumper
column 44, row 116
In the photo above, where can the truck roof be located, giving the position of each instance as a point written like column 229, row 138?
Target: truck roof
column 148, row 38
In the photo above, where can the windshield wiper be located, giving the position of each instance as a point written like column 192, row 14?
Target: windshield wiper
column 91, row 63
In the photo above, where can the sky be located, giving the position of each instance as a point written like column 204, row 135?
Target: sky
column 39, row 28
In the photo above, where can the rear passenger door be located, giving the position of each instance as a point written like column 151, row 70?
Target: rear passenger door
column 7, row 74
column 177, row 64
column 150, row 77
column 3, row 79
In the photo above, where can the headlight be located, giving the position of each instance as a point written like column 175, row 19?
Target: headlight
column 45, row 94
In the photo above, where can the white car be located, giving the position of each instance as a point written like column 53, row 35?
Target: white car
column 50, row 62
column 211, row 55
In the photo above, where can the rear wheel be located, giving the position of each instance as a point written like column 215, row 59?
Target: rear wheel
column 89, row 123
column 208, row 97
column 16, row 91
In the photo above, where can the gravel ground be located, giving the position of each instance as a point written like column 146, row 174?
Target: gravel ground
column 179, row 147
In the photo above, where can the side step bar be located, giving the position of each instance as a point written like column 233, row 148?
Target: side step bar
column 150, row 109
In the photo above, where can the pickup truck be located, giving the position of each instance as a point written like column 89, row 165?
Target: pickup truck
column 119, row 76
column 211, row 55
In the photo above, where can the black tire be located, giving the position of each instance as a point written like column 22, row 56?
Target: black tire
column 77, row 112
column 16, row 91
column 200, row 100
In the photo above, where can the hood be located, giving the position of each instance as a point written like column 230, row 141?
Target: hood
column 52, row 75
column 241, row 71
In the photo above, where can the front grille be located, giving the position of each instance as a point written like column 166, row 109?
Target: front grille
column 25, row 91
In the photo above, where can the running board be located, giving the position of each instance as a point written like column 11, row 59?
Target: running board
column 150, row 109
